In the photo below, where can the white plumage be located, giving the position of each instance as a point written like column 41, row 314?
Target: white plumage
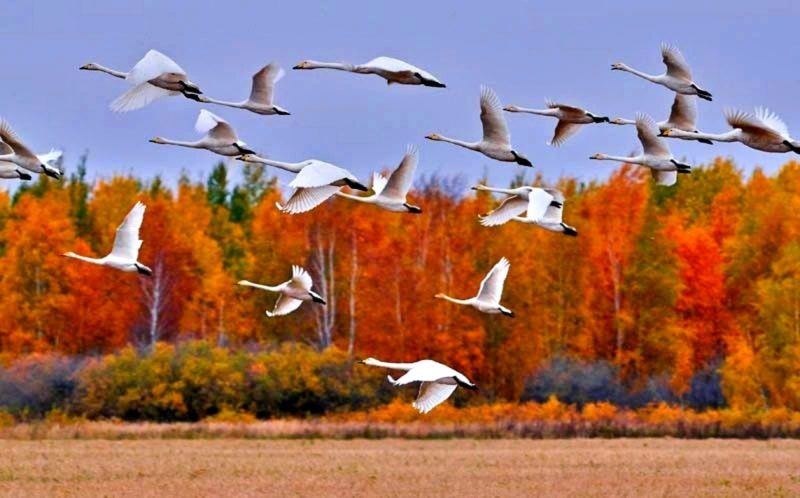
column 124, row 254
column 496, row 142
column 292, row 292
column 489, row 293
column 390, row 193
column 437, row 381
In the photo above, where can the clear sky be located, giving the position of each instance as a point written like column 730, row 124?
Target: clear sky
column 744, row 52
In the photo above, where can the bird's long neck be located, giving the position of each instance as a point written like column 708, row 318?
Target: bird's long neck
column 622, row 159
column 181, row 143
column 237, row 105
column 330, row 65
column 107, row 70
column 729, row 136
column 493, row 189
column 367, row 199
column 621, row 121
column 452, row 299
column 540, row 112
column 292, row 167
column 394, row 366
column 95, row 261
column 649, row 77
column 247, row 283
column 460, row 143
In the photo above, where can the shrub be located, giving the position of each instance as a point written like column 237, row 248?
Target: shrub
column 35, row 384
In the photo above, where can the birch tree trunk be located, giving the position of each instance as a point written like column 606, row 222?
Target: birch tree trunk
column 353, row 280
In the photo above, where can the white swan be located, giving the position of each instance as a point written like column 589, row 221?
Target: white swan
column 682, row 116
column 220, row 137
column 292, row 292
column 262, row 93
column 388, row 68
column 570, row 118
column 153, row 77
column 547, row 215
column 390, row 194
column 490, row 292
column 316, row 182
column 763, row 130
column 656, row 154
column 13, row 150
column 437, row 381
column 124, row 254
column 678, row 77
column 496, row 142
column 543, row 207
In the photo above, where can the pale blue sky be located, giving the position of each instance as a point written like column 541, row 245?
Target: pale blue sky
column 742, row 51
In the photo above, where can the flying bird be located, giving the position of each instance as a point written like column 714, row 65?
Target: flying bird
column 543, row 207
column 678, row 76
column 153, row 77
column 547, row 216
column 125, row 253
column 570, row 118
column 220, row 137
column 262, row 93
column 490, row 292
column 496, row 142
column 13, row 150
column 388, row 68
column 656, row 156
column 762, row 130
column 316, row 182
column 390, row 194
column 682, row 116
column 292, row 292
column 437, row 381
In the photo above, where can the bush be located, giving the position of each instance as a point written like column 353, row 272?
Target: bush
column 195, row 380
column 574, row 382
column 35, row 384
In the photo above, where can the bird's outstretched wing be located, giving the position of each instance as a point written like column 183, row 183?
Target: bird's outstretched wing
column 491, row 289
column 49, row 157
column 675, row 62
column 11, row 139
column 753, row 124
column 301, row 278
column 378, row 183
column 263, row 90
column 137, row 97
column 284, row 305
column 307, row 198
column 648, row 135
column 683, row 113
column 665, row 178
column 126, row 241
column 563, row 131
column 400, row 180
column 319, row 174
column 432, row 394
column 151, row 66
column 495, row 129
column 555, row 209
column 538, row 202
column 510, row 207
column 217, row 128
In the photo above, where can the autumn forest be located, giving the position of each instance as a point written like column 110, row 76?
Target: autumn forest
column 661, row 285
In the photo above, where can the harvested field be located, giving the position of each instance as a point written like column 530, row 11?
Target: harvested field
column 392, row 467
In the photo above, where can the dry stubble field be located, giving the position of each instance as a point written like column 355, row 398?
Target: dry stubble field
column 391, row 467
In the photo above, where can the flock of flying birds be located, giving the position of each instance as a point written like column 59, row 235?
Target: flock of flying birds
column 156, row 76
